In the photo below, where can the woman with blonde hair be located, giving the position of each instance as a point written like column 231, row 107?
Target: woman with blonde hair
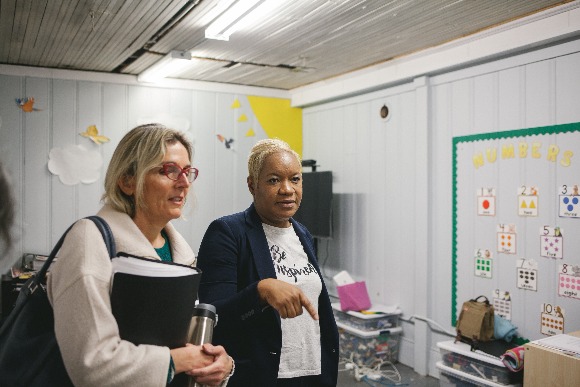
column 146, row 186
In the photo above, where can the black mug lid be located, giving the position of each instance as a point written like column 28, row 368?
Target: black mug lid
column 205, row 310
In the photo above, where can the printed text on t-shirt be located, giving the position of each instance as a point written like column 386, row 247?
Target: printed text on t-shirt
column 279, row 255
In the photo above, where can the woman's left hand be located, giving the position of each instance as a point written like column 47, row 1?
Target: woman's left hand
column 215, row 373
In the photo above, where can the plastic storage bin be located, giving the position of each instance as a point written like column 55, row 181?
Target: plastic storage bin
column 367, row 348
column 451, row 377
column 458, row 356
column 379, row 317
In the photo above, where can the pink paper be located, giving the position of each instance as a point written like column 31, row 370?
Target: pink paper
column 354, row 296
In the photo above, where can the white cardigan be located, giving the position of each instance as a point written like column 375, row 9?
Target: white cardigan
column 78, row 289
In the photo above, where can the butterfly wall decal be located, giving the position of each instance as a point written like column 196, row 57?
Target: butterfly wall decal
column 26, row 104
column 93, row 133
column 227, row 143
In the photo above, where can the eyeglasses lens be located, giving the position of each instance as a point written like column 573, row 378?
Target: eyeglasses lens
column 174, row 172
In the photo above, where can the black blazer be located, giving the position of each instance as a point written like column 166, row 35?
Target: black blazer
column 234, row 256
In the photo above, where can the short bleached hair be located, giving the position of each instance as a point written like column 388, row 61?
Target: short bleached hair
column 138, row 152
column 261, row 150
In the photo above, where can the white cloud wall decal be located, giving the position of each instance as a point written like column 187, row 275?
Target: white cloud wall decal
column 75, row 164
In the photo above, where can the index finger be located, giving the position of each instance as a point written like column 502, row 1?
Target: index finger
column 309, row 307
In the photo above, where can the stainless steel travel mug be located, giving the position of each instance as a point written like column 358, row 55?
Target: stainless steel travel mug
column 201, row 328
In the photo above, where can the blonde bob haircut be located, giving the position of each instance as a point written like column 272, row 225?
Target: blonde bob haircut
column 140, row 150
column 260, row 151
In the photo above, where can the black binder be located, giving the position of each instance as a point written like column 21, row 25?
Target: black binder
column 153, row 301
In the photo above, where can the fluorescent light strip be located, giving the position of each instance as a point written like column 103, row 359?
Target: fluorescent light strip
column 232, row 19
column 170, row 64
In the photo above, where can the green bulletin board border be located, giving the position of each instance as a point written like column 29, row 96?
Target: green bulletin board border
column 554, row 129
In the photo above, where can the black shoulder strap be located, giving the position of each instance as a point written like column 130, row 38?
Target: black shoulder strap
column 103, row 228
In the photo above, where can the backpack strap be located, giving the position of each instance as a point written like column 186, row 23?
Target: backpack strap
column 106, row 232
column 485, row 300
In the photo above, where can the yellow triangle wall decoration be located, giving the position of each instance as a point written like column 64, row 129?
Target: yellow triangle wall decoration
column 279, row 120
column 236, row 104
column 250, row 133
column 243, row 118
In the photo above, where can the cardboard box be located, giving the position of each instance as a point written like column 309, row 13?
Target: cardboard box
column 550, row 367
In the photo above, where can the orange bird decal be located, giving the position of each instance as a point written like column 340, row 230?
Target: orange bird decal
column 26, row 104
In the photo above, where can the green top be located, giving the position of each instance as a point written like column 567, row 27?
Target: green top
column 164, row 252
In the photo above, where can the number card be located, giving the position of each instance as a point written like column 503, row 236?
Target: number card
column 483, row 263
column 502, row 304
column 506, row 238
column 527, row 274
column 528, row 201
column 486, row 201
column 569, row 201
column 569, row 281
column 551, row 242
column 551, row 320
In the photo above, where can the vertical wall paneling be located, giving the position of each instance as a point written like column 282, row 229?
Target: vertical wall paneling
column 439, row 219
column 347, row 184
column 485, row 113
column 242, row 147
column 378, row 196
column 11, row 145
column 409, row 185
column 382, row 187
column 203, row 200
column 114, row 119
column 35, row 176
column 363, row 184
column 114, row 123
column 333, row 158
column 567, row 82
column 395, row 130
column 64, row 132
column 540, row 104
column 462, row 105
column 509, row 103
column 225, row 159
column 422, row 191
column 90, row 110
column 147, row 104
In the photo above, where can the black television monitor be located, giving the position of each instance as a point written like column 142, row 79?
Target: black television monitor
column 315, row 210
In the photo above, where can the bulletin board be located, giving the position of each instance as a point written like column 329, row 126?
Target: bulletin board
column 516, row 226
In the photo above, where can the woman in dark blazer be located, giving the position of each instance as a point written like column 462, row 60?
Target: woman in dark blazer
column 260, row 271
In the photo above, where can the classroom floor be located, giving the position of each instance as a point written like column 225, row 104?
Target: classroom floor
column 408, row 378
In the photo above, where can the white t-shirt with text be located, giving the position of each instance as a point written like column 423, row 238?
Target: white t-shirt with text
column 301, row 347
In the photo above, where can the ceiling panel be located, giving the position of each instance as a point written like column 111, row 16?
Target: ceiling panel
column 297, row 43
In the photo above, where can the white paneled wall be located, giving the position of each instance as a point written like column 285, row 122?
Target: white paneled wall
column 380, row 181
column 46, row 207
